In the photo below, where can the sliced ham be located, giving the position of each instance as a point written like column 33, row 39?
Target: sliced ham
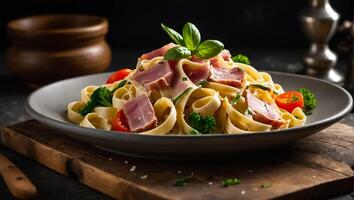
column 140, row 114
column 158, row 52
column 217, row 61
column 225, row 54
column 196, row 75
column 264, row 112
column 157, row 77
column 178, row 85
column 233, row 77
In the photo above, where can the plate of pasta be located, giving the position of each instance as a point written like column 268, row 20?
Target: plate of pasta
column 189, row 99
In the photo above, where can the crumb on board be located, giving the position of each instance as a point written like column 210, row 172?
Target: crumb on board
column 132, row 168
column 144, row 177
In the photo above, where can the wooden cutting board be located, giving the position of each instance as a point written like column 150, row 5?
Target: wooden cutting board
column 315, row 167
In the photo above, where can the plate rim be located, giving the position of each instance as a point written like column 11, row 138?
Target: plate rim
column 98, row 133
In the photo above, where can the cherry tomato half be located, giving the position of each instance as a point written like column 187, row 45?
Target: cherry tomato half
column 119, row 122
column 290, row 100
column 119, row 75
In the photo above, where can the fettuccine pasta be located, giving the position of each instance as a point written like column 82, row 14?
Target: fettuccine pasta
column 191, row 95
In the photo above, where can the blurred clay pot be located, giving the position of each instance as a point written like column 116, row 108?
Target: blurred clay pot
column 48, row 48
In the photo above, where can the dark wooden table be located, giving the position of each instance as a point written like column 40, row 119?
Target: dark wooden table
column 54, row 186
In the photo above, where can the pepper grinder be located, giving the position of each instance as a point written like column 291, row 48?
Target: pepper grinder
column 319, row 22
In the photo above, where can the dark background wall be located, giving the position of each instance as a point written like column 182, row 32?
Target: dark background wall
column 136, row 24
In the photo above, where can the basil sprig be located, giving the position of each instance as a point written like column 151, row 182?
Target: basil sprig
column 191, row 36
column 190, row 44
column 209, row 49
column 177, row 52
column 174, row 35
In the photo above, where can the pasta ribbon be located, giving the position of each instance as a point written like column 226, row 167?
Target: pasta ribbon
column 106, row 112
column 87, row 92
column 242, row 121
column 73, row 111
column 92, row 120
column 166, row 115
column 122, row 95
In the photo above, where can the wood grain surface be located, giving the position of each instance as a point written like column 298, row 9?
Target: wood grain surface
column 17, row 182
column 315, row 167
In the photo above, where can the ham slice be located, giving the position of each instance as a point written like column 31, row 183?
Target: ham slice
column 217, row 61
column 264, row 112
column 196, row 75
column 178, row 85
column 157, row 77
column 233, row 77
column 225, row 54
column 158, row 52
column 140, row 114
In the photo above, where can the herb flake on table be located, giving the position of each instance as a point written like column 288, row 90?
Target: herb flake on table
column 181, row 182
column 266, row 185
column 230, row 181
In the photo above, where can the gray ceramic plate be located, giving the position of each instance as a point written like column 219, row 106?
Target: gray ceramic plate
column 48, row 105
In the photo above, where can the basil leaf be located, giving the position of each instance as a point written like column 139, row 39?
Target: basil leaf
column 191, row 36
column 177, row 53
column 174, row 35
column 209, row 49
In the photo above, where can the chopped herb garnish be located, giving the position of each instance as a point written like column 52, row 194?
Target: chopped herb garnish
column 241, row 59
column 297, row 117
column 203, row 83
column 265, row 105
column 294, row 98
column 266, row 185
column 183, row 93
column 263, row 87
column 310, row 101
column 120, row 84
column 230, row 181
column 202, row 124
column 237, row 97
column 194, row 132
column 184, row 78
column 102, row 96
column 249, row 112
